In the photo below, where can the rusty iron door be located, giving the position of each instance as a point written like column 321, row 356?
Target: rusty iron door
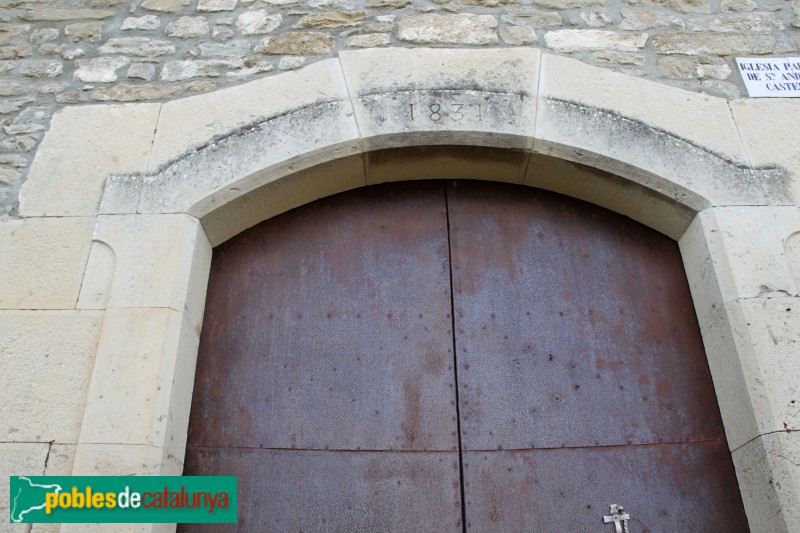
column 373, row 360
column 582, row 377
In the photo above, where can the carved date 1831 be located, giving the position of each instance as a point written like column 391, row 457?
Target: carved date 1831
column 453, row 111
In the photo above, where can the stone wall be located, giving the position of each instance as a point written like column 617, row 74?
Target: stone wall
column 56, row 53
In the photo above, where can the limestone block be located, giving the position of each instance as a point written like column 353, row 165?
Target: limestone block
column 760, row 122
column 594, row 116
column 84, row 146
column 158, row 261
column 610, row 191
column 568, row 41
column 752, row 352
column 768, row 469
column 142, row 382
column 138, row 46
column 223, row 144
column 50, row 355
column 296, row 43
column 281, row 195
column 740, row 252
column 43, row 262
column 331, row 19
column 187, row 27
column 124, row 460
column 447, row 29
column 407, row 97
column 446, row 162
column 189, row 123
column 19, row 459
column 258, row 22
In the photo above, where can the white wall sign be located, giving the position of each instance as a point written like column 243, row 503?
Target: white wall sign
column 776, row 77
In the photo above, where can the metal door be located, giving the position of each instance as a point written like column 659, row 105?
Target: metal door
column 370, row 361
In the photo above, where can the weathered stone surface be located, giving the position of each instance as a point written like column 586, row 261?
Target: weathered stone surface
column 201, row 86
column 15, row 52
column 100, row 69
column 135, row 93
column 50, row 353
column 641, row 18
column 31, row 120
column 230, row 49
column 50, row 49
column 216, row 5
column 13, row 33
column 44, row 35
column 339, row 5
column 530, row 16
column 675, row 67
column 14, row 160
column 73, row 53
column 581, row 40
column 84, row 31
column 760, row 121
column 717, row 71
column 166, row 6
column 12, row 105
column 296, row 44
column 9, row 176
column 221, row 33
column 609, row 57
column 722, row 89
column 55, row 15
column 291, row 62
column 685, row 6
column 146, row 22
column 381, row 4
column 369, row 40
column 78, row 154
column 447, row 29
column 137, row 46
column 597, row 18
column 738, row 5
column 184, row 70
column 8, row 88
column 40, row 68
column 726, row 44
column 43, row 261
column 142, row 71
column 250, row 69
column 188, row 27
column 516, row 35
column 753, row 22
column 331, row 19
column 258, row 22
column 568, row 4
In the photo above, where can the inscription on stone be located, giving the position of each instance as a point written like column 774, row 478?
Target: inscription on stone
column 437, row 111
column 775, row 77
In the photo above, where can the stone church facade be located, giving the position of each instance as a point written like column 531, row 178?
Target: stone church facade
column 137, row 136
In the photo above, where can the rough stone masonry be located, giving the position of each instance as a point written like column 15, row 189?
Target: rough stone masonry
column 56, row 53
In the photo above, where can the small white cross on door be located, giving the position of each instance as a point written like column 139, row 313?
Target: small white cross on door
column 619, row 517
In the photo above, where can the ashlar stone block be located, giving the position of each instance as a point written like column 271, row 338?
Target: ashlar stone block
column 760, row 122
column 159, row 261
column 43, row 261
column 159, row 348
column 421, row 96
column 768, row 469
column 47, row 357
column 83, row 147
column 629, row 127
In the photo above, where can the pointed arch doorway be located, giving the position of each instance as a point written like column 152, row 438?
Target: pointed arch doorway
column 444, row 356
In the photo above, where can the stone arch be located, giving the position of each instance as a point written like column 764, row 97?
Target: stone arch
column 224, row 161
